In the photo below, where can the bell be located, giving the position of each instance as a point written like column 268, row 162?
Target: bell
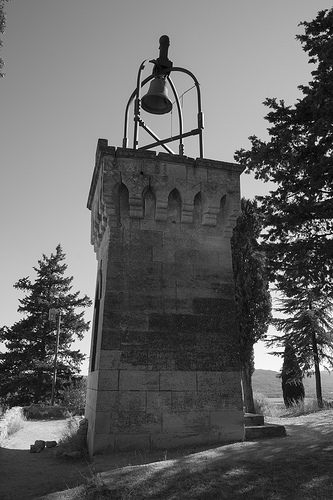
column 156, row 101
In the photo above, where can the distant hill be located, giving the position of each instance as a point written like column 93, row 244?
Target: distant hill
column 266, row 382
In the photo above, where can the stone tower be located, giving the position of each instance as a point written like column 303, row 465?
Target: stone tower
column 164, row 367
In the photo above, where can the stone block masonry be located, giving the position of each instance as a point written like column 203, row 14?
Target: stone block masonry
column 164, row 366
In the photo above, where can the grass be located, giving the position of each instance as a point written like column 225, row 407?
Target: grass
column 72, row 441
column 217, row 478
column 264, row 407
column 11, row 421
column 264, row 470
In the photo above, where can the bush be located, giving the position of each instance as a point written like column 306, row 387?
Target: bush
column 74, row 397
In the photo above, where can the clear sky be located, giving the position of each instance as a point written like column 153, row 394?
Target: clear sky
column 71, row 66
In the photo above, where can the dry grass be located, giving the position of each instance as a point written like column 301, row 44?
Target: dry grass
column 11, row 421
column 264, row 407
column 71, row 440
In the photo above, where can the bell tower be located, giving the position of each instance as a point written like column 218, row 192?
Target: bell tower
column 164, row 366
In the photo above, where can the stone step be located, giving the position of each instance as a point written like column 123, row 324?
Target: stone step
column 251, row 419
column 255, row 432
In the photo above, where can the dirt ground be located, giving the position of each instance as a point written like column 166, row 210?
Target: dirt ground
column 27, row 476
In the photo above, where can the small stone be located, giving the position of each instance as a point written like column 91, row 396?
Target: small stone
column 50, row 444
column 40, row 444
column 35, row 449
column 83, row 423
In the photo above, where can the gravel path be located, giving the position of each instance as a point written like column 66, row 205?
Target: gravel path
column 25, row 475
column 47, row 430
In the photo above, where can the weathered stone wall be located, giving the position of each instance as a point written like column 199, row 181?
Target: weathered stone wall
column 164, row 368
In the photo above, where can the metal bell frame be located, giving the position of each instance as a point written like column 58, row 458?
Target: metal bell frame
column 136, row 94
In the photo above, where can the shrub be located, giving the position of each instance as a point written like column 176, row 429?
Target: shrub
column 74, row 397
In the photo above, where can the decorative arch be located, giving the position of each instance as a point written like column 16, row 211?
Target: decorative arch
column 149, row 204
column 174, row 206
column 225, row 211
column 120, row 196
column 197, row 208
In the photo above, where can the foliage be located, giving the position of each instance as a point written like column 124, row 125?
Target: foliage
column 307, row 328
column 73, row 397
column 253, row 299
column 303, row 316
column 26, row 367
column 2, row 30
column 298, row 159
column 292, row 377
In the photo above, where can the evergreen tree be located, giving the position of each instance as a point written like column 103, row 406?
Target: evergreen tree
column 26, row 367
column 307, row 326
column 292, row 377
column 298, row 212
column 2, row 30
column 253, row 299
column 298, row 158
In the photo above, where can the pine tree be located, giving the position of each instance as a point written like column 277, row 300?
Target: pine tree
column 253, row 300
column 26, row 367
column 298, row 159
column 298, row 212
column 2, row 30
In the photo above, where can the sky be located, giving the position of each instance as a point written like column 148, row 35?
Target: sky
column 71, row 66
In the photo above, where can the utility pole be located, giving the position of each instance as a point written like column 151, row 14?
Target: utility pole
column 55, row 315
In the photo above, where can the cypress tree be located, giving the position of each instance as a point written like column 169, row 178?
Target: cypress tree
column 253, row 300
column 292, row 377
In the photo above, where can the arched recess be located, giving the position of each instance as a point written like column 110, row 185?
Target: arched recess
column 225, row 210
column 149, row 204
column 174, row 206
column 121, row 201
column 197, row 208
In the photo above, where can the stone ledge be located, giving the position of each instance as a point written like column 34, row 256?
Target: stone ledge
column 39, row 411
column 256, row 432
column 253, row 419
